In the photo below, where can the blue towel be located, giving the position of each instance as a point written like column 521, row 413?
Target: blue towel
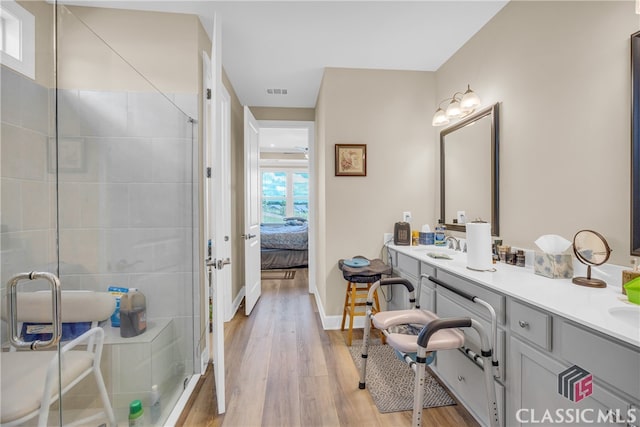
column 42, row 331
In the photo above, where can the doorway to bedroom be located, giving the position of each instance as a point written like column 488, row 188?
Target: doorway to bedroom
column 286, row 188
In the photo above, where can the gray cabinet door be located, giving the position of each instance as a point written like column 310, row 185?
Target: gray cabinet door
column 535, row 398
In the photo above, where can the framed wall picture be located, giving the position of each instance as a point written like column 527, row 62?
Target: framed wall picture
column 351, row 160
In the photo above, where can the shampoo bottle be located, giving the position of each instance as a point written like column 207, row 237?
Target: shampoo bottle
column 155, row 410
column 133, row 313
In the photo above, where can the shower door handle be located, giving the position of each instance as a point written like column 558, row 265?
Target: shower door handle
column 56, row 315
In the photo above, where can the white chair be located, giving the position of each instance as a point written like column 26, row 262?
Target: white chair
column 435, row 334
column 29, row 381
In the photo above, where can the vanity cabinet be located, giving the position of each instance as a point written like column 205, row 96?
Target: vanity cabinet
column 535, row 396
column 534, row 346
column 408, row 268
column 461, row 374
column 411, row 269
column 427, row 288
column 543, row 346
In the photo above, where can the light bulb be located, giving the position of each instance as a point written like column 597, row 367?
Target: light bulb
column 453, row 110
column 470, row 101
column 440, row 118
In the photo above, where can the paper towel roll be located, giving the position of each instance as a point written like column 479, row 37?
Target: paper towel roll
column 479, row 255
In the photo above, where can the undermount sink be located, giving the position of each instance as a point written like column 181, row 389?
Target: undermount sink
column 435, row 250
column 628, row 315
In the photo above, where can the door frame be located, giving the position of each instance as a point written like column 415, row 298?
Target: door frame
column 313, row 183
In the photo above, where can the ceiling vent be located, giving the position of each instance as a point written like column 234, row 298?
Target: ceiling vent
column 277, row 91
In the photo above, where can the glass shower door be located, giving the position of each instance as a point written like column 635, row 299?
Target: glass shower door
column 98, row 186
column 28, row 217
column 127, row 192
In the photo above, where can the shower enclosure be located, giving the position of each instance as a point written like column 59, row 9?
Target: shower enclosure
column 99, row 186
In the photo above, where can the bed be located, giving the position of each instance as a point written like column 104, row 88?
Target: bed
column 284, row 245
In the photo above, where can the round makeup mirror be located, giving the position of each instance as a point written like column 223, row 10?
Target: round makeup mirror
column 590, row 249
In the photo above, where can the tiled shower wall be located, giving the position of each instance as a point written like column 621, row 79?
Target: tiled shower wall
column 127, row 193
column 27, row 228
column 127, row 197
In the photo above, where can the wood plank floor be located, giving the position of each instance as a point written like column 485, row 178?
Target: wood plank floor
column 283, row 369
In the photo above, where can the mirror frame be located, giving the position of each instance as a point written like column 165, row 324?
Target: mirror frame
column 491, row 111
column 635, row 144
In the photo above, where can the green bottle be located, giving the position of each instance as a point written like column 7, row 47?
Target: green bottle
column 136, row 413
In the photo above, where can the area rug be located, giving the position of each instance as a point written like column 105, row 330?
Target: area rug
column 278, row 274
column 390, row 381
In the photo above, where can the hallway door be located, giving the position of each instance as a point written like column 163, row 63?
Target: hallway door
column 253, row 286
column 217, row 207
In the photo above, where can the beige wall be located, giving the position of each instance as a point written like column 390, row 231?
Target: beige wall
column 277, row 113
column 388, row 111
column 169, row 58
column 43, row 14
column 560, row 71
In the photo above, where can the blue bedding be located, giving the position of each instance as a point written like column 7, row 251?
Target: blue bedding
column 284, row 236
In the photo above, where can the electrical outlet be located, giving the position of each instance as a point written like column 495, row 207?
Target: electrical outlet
column 388, row 237
column 406, row 216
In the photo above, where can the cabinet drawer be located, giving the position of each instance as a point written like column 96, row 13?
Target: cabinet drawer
column 397, row 295
column 497, row 301
column 427, row 299
column 531, row 324
column 606, row 359
column 534, row 390
column 429, row 271
column 448, row 308
column 408, row 265
column 466, row 380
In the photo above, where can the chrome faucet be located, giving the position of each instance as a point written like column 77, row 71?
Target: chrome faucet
column 453, row 243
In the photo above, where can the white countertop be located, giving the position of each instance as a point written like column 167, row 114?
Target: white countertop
column 587, row 306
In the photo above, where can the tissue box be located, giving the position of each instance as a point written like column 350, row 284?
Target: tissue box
column 553, row 266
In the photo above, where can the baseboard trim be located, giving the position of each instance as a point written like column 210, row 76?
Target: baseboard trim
column 333, row 322
column 236, row 304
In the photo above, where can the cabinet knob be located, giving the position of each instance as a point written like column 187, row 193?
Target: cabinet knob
column 460, row 378
column 523, row 324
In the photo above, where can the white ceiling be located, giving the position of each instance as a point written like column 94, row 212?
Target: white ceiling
column 287, row 44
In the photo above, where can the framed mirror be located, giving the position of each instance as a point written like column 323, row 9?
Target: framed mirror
column 469, row 171
column 635, row 144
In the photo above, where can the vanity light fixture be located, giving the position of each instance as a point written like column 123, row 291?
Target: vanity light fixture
column 460, row 105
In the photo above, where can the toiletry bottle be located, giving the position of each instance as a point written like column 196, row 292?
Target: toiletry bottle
column 117, row 292
column 627, row 275
column 439, row 238
column 154, row 400
column 136, row 412
column 133, row 314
